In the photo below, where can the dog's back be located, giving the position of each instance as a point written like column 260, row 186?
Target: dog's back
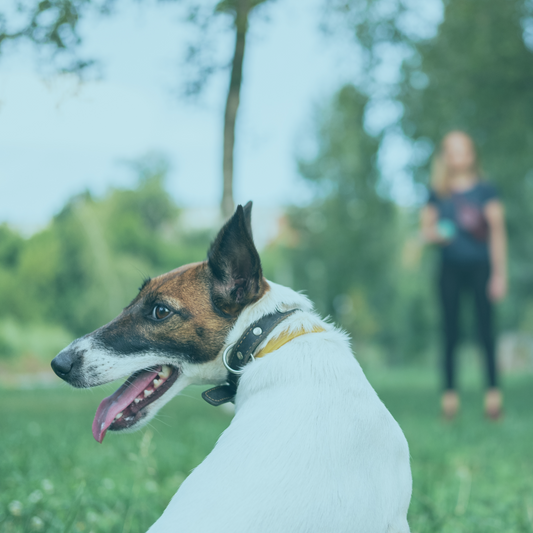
column 311, row 449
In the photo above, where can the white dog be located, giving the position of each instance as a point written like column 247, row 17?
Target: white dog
column 311, row 448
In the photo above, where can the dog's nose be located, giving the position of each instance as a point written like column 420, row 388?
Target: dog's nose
column 62, row 364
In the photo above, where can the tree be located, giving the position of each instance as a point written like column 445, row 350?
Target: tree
column 477, row 75
column 378, row 28
column 52, row 26
column 345, row 246
column 239, row 12
column 87, row 264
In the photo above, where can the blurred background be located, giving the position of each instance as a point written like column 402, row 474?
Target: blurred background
column 129, row 130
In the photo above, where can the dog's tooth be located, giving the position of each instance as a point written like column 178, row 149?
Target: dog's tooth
column 147, row 393
column 165, row 372
column 118, row 416
column 137, row 400
column 157, row 383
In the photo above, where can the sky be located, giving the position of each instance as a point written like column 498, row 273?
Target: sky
column 58, row 138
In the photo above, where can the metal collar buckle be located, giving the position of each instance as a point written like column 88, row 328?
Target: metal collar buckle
column 225, row 360
column 245, row 348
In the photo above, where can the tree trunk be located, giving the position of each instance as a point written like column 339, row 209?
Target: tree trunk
column 232, row 105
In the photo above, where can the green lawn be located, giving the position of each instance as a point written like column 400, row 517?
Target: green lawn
column 469, row 476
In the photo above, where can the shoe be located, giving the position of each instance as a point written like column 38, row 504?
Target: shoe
column 493, row 404
column 450, row 404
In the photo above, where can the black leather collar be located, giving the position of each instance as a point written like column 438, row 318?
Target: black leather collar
column 240, row 353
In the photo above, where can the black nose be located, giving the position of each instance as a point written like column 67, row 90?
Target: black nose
column 62, row 364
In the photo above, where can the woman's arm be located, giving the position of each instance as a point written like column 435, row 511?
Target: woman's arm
column 497, row 288
column 429, row 217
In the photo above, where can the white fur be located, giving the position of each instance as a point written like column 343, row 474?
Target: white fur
column 102, row 365
column 311, row 448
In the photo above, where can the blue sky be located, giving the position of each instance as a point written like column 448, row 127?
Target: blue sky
column 58, row 138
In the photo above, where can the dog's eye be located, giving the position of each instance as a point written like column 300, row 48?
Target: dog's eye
column 159, row 312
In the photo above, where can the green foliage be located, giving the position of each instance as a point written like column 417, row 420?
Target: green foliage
column 27, row 340
column 10, row 246
column 381, row 29
column 51, row 26
column 348, row 216
column 233, row 6
column 345, row 252
column 343, row 244
column 80, row 271
column 470, row 476
column 477, row 75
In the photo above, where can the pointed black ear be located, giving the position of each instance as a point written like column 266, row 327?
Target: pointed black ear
column 248, row 217
column 235, row 264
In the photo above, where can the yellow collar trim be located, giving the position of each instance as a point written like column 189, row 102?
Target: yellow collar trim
column 275, row 344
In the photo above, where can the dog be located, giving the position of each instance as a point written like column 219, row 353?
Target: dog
column 311, row 448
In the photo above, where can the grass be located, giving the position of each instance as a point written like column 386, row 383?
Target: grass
column 67, row 482
column 469, row 476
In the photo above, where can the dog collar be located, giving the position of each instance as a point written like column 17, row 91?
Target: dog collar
column 284, row 338
column 239, row 354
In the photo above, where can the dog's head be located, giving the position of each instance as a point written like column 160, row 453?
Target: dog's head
column 171, row 334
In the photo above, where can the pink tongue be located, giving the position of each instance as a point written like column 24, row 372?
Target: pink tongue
column 118, row 401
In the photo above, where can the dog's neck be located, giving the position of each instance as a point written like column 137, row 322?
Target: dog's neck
column 260, row 336
column 276, row 298
column 301, row 354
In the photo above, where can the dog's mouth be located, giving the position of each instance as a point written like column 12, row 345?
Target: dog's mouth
column 125, row 407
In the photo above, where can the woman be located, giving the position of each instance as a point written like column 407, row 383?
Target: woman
column 465, row 218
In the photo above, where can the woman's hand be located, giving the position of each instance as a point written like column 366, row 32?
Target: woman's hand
column 497, row 287
column 429, row 227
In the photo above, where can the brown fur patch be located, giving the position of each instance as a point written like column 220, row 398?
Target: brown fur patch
column 195, row 330
column 190, row 285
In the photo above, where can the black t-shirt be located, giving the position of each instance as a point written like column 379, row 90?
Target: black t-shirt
column 465, row 247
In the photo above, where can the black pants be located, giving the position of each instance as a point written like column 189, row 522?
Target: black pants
column 454, row 281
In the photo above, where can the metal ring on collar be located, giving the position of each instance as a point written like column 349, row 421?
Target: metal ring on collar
column 226, row 364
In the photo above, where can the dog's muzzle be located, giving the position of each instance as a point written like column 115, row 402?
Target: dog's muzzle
column 67, row 365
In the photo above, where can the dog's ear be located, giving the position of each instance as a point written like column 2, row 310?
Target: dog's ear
column 248, row 217
column 235, row 264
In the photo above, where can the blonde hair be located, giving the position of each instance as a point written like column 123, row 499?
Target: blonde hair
column 440, row 173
